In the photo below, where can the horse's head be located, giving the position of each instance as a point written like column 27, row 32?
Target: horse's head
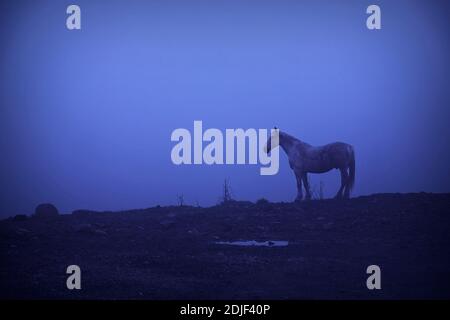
column 273, row 141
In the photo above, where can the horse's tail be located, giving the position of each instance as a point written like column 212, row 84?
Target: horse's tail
column 351, row 166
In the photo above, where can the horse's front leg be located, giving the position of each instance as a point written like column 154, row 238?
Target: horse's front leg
column 306, row 184
column 298, row 176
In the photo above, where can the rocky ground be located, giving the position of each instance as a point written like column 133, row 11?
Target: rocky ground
column 172, row 252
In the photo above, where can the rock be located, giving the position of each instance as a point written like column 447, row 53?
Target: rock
column 20, row 217
column 99, row 225
column 100, row 232
column 328, row 225
column 88, row 228
column 167, row 223
column 262, row 202
column 227, row 228
column 22, row 231
column 46, row 210
column 82, row 213
column 194, row 232
column 84, row 228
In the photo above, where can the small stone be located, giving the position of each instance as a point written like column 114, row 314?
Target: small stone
column 328, row 225
column 84, row 228
column 167, row 223
column 194, row 232
column 22, row 231
column 101, row 232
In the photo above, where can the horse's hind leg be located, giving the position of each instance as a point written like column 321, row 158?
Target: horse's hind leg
column 344, row 179
column 347, row 186
column 306, row 184
column 299, row 197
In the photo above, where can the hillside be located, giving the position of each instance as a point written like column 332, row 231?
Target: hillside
column 181, row 252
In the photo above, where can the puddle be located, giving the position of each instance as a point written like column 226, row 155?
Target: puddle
column 253, row 243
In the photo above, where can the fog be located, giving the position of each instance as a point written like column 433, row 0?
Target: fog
column 86, row 115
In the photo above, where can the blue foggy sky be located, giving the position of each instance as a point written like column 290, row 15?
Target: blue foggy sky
column 86, row 116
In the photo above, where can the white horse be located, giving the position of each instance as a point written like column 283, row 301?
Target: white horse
column 304, row 158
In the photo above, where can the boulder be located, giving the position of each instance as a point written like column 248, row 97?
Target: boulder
column 46, row 210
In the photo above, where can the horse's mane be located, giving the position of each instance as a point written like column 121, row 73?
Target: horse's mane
column 291, row 138
column 288, row 136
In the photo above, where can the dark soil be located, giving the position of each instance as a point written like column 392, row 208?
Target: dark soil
column 171, row 252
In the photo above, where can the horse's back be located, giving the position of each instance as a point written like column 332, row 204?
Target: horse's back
column 318, row 159
column 340, row 153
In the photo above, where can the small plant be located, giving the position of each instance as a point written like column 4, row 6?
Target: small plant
column 226, row 193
